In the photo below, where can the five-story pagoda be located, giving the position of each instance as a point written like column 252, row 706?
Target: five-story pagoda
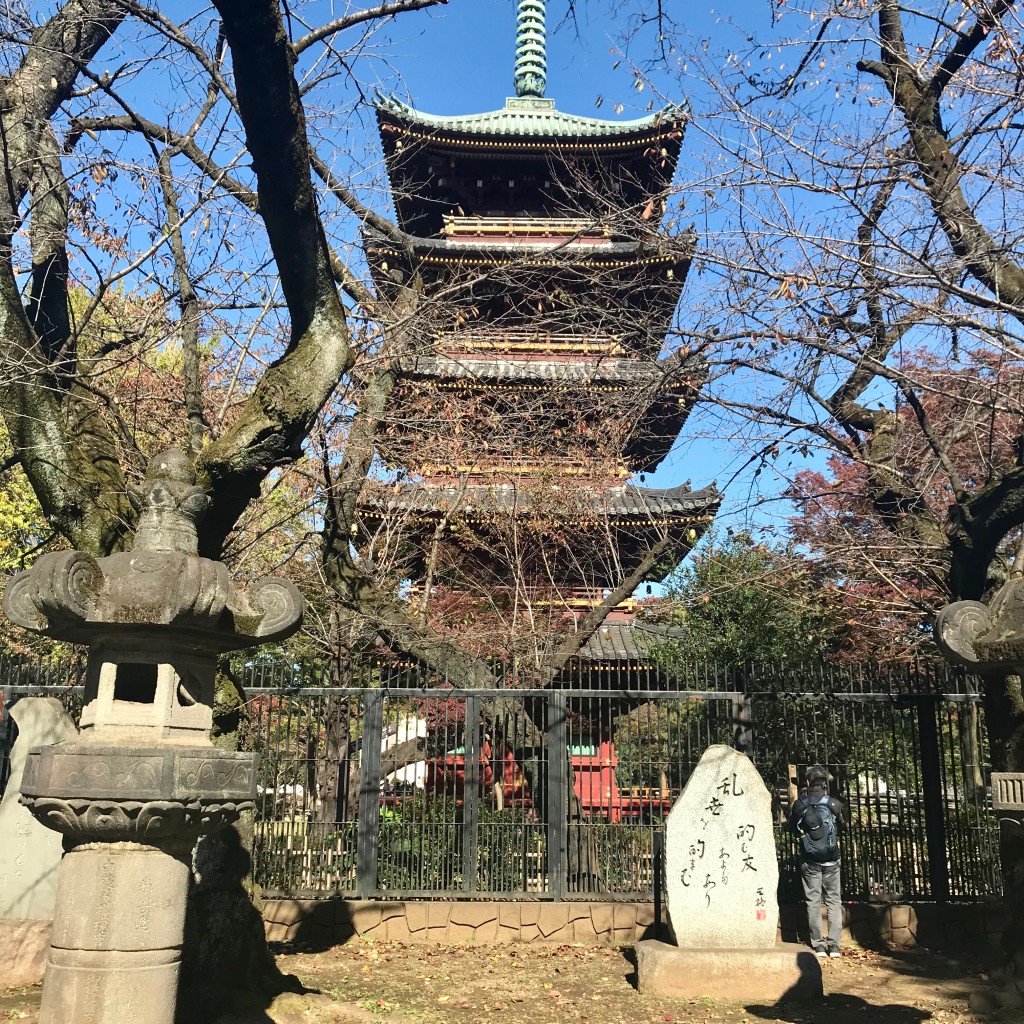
column 537, row 387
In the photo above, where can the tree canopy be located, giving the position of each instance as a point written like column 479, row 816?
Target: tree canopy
column 739, row 601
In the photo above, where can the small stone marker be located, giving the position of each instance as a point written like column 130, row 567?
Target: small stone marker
column 721, row 865
column 29, row 851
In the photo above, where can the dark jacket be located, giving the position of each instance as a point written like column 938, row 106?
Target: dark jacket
column 811, row 796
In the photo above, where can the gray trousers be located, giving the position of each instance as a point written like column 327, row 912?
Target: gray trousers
column 822, row 881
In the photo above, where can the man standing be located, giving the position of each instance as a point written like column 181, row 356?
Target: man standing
column 817, row 819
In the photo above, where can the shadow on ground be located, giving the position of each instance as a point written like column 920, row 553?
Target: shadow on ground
column 842, row 1009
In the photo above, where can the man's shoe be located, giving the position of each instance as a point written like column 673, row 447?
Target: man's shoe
column 819, row 951
column 834, row 953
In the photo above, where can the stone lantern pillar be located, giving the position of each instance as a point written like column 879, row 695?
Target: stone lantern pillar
column 142, row 781
column 989, row 640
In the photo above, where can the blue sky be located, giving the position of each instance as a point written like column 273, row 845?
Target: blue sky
column 458, row 58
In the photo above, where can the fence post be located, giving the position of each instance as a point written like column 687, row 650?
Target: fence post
column 6, row 729
column 927, row 707
column 742, row 729
column 557, row 803
column 471, row 794
column 657, row 863
column 368, row 833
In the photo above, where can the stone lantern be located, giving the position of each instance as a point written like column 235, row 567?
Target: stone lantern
column 989, row 639
column 142, row 781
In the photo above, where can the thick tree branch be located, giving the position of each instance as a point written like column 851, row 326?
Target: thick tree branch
column 61, row 443
column 988, row 17
column 56, row 54
column 277, row 417
column 977, row 526
column 48, row 294
column 940, row 170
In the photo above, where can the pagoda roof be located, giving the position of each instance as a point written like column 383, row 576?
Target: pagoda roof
column 619, row 372
column 531, row 122
column 622, row 502
column 627, row 641
column 616, row 253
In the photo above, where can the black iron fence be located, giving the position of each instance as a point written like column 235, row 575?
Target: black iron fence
column 42, row 677
column 559, row 793
column 405, row 785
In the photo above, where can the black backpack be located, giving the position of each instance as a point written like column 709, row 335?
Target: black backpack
column 819, row 832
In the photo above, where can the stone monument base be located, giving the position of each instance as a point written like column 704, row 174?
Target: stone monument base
column 789, row 971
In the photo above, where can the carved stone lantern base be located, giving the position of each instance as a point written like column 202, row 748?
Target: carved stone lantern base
column 129, row 818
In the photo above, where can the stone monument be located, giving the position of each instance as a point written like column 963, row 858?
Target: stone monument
column 131, row 794
column 30, row 852
column 722, row 877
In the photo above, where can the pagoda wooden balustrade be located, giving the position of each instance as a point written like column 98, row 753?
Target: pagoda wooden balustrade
column 523, row 470
column 570, row 599
column 525, row 227
column 516, row 340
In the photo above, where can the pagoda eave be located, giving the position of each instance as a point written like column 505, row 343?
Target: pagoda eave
column 623, row 505
column 613, row 254
column 688, row 372
column 529, row 125
column 436, row 161
column 603, row 548
column 634, row 405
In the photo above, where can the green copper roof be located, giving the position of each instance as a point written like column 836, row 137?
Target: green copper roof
column 531, row 49
column 531, row 116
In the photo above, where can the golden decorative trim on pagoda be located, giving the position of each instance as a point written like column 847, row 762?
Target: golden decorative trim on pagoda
column 504, row 468
column 476, row 519
column 578, row 599
column 520, row 227
column 513, row 340
column 482, row 384
column 505, row 259
column 581, row 602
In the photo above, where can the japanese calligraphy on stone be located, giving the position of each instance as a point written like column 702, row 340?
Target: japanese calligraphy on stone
column 721, row 868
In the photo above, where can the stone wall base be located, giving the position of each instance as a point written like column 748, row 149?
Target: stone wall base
column 323, row 923
column 787, row 972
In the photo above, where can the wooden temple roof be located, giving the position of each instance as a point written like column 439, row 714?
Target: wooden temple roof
column 613, row 253
column 627, row 641
column 671, row 371
column 526, row 157
column 621, row 503
column 527, row 122
column 654, row 397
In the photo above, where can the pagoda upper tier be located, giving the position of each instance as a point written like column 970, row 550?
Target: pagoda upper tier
column 533, row 380
column 527, row 158
column 591, row 415
column 592, row 285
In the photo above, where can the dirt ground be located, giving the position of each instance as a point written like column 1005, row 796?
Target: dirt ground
column 532, row 984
